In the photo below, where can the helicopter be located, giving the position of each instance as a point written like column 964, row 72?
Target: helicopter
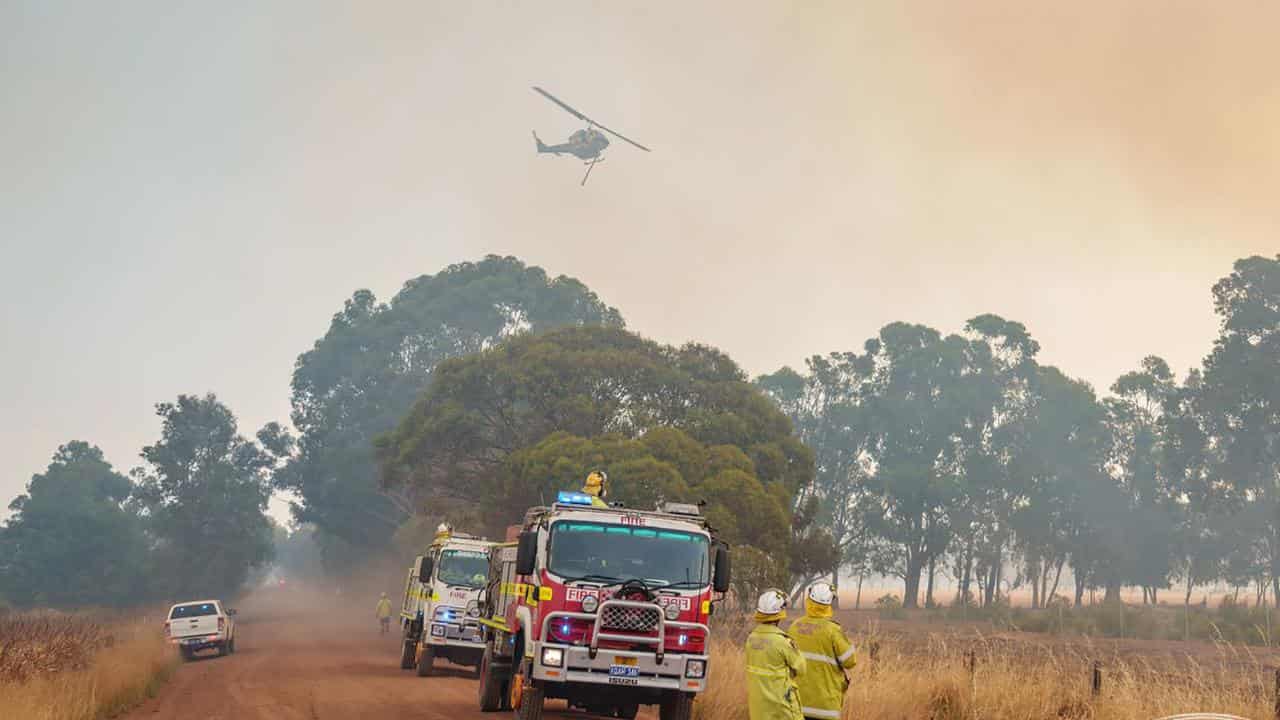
column 587, row 144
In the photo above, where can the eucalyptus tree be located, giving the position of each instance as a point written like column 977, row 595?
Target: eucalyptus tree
column 361, row 378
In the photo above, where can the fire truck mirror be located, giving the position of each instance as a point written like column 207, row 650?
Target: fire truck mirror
column 424, row 570
column 527, row 553
column 720, row 581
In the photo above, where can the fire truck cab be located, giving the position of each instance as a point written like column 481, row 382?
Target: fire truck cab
column 605, row 607
column 439, row 610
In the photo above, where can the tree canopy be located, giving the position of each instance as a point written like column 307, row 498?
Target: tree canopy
column 72, row 541
column 964, row 448
column 204, row 489
column 362, row 376
column 508, row 427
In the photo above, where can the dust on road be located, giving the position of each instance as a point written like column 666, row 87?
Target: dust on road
column 300, row 658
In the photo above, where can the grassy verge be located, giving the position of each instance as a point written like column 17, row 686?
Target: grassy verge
column 931, row 680
column 72, row 668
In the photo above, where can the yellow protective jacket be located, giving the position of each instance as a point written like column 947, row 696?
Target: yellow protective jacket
column 828, row 654
column 773, row 663
column 384, row 608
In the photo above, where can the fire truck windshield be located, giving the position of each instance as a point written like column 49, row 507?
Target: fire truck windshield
column 468, row 568
column 605, row 552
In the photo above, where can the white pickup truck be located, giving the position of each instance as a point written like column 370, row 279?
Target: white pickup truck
column 199, row 625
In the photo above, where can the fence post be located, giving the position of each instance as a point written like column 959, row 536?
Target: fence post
column 972, row 662
column 1096, row 684
column 1277, row 702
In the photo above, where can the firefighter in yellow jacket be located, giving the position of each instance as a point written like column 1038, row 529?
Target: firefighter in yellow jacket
column 595, row 487
column 827, row 653
column 773, row 663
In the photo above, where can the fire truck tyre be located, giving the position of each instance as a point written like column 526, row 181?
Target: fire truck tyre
column 231, row 646
column 406, row 654
column 526, row 693
column 626, row 712
column 493, row 677
column 222, row 649
column 676, row 706
column 426, row 660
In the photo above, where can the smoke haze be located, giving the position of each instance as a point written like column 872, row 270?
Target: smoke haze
column 189, row 192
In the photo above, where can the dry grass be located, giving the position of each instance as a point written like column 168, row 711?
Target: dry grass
column 68, row 667
column 927, row 678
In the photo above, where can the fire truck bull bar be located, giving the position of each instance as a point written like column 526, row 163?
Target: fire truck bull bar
column 598, row 633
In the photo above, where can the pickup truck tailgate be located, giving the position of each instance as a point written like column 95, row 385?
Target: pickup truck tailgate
column 191, row 620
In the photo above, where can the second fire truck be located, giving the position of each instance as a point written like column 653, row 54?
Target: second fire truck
column 439, row 610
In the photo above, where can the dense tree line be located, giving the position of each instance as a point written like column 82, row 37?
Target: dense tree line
column 486, row 388
column 963, row 455
column 189, row 522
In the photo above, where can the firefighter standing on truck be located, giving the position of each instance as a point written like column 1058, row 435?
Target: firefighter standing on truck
column 383, row 611
column 827, row 652
column 773, row 663
column 594, row 486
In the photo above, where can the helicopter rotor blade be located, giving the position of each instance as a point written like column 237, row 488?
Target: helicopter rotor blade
column 563, row 106
column 586, row 119
column 621, row 136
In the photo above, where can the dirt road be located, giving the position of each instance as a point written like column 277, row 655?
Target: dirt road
column 299, row 660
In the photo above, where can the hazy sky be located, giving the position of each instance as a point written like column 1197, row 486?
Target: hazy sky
column 188, row 191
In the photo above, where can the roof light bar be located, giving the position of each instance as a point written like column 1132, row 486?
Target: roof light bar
column 573, row 498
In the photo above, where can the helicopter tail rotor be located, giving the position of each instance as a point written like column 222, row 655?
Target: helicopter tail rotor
column 542, row 147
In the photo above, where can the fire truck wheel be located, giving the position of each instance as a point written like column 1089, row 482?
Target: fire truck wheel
column 426, row 659
column 526, row 693
column 493, row 685
column 676, row 706
column 626, row 712
column 407, row 653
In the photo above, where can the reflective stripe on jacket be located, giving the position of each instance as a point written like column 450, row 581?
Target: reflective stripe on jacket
column 828, row 654
column 773, row 663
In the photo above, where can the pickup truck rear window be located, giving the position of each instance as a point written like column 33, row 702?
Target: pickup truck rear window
column 193, row 610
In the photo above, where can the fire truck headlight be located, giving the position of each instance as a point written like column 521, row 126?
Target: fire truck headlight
column 695, row 669
column 552, row 657
column 474, row 611
column 672, row 611
column 590, row 603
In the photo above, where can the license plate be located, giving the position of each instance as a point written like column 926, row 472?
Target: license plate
column 624, row 671
column 624, row 660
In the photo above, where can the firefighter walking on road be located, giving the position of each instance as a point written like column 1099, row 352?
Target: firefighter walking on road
column 383, row 611
column 827, row 652
column 773, row 663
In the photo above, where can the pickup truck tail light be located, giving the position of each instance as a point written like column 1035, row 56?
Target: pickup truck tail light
column 168, row 630
column 222, row 625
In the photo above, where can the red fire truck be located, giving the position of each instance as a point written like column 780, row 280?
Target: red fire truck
column 606, row 607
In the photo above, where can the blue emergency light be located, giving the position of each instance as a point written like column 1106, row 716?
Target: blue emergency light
column 573, row 498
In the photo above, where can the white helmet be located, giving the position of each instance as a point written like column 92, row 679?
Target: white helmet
column 821, row 592
column 771, row 602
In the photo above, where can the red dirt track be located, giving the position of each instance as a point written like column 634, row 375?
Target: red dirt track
column 300, row 659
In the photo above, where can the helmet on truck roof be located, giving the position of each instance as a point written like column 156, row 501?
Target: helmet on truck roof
column 595, row 483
